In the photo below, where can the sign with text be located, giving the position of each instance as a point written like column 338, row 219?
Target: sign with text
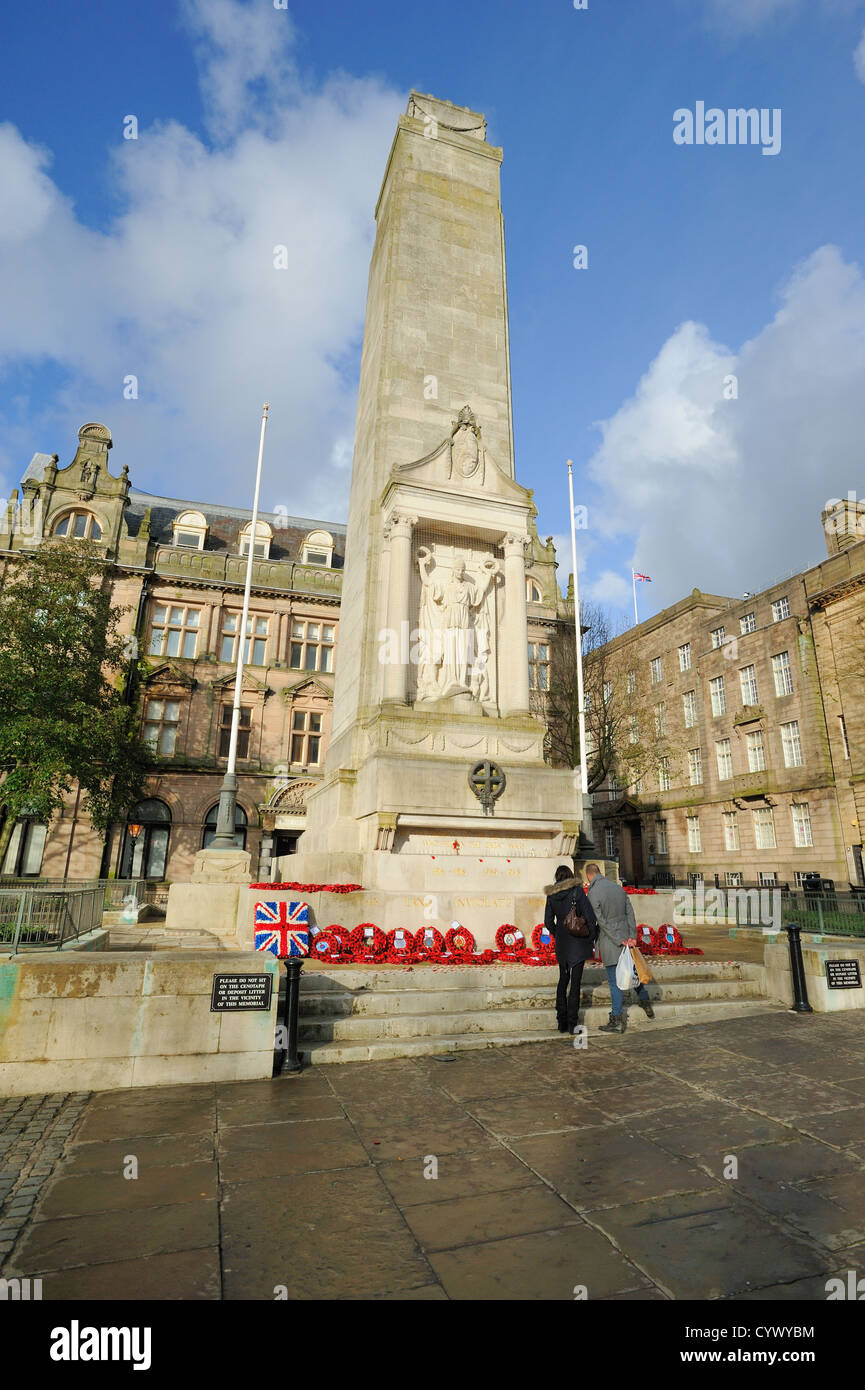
column 843, row 974
column 232, row 993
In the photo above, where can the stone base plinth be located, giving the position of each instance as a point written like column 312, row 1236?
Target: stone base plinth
column 779, row 979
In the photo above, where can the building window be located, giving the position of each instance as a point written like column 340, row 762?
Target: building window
column 791, row 744
column 263, row 538
column 631, row 683
column 190, row 530
column 748, row 623
column 695, row 766
column 664, row 775
column 764, row 828
column 689, row 700
column 305, row 737
column 724, row 753
column 756, row 751
column 318, row 549
column 685, row 657
column 802, row 826
column 661, row 836
column 78, row 526
column 717, row 635
column 161, row 720
column 609, row 842
column 633, row 729
column 23, row 857
column 539, row 666
column 842, row 723
column 607, row 692
column 312, row 646
column 782, row 674
column 240, row 824
column 748, row 682
column 731, row 830
column 145, row 840
column 174, row 631
column 733, row 878
column 800, row 876
column 244, row 730
column 767, row 878
column 780, row 609
column 657, row 674
column 719, row 695
column 533, row 592
column 255, row 646
column 695, row 844
column 660, row 719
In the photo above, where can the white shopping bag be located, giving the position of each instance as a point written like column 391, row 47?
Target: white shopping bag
column 626, row 974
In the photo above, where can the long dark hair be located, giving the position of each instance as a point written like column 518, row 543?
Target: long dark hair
column 563, row 872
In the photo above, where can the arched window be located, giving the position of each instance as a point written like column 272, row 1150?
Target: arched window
column 145, row 840
column 190, row 530
column 533, row 592
column 78, row 526
column 263, row 537
column 23, row 857
column 318, row 549
column 240, row 824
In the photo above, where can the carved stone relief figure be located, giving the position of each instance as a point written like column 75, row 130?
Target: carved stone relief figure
column 456, row 633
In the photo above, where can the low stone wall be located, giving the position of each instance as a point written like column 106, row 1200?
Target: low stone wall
column 95, row 1023
column 779, row 978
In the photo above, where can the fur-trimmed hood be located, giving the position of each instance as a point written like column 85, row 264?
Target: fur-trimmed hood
column 563, row 886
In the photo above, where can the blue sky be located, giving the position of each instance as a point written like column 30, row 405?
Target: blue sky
column 260, row 126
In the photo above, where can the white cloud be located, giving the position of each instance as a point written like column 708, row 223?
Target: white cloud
column 747, row 16
column 859, row 58
column 181, row 290
column 726, row 494
column 610, row 588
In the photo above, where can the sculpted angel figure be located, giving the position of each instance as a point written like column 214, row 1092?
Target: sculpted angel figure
column 454, row 615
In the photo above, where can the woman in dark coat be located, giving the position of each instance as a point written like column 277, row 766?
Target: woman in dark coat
column 572, row 952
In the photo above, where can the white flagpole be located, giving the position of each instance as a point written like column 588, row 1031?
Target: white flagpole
column 224, row 837
column 578, row 637
column 634, row 583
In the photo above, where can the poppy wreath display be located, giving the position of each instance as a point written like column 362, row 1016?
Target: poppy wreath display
column 368, row 942
column 400, row 947
column 670, row 942
column 313, row 887
column 429, row 944
column 641, row 892
column 510, row 942
column 542, row 940
column 327, row 945
column 647, row 938
column 460, row 943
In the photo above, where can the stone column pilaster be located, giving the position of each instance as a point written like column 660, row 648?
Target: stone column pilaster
column 514, row 665
column 399, row 532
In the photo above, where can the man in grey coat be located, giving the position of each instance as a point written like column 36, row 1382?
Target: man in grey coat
column 617, row 927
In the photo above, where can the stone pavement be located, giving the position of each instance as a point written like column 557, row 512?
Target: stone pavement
column 608, row 1168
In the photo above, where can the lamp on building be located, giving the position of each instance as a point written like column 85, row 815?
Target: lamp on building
column 134, row 830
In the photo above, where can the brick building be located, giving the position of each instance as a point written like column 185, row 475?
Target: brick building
column 764, row 699
column 178, row 568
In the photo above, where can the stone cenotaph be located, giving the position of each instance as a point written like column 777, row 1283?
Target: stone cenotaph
column 435, row 796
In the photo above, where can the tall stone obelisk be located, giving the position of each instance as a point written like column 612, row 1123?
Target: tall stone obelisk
column 437, row 534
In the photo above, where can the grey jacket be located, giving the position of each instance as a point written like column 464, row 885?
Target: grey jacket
column 615, row 915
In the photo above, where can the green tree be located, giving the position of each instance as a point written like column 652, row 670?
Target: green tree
column 68, row 711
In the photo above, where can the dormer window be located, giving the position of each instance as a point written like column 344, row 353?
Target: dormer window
column 79, row 526
column 318, row 549
column 263, row 538
column 190, row 530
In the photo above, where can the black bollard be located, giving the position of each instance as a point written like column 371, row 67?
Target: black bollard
column 797, row 966
column 292, row 1061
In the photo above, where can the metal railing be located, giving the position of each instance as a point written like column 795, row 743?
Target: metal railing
column 833, row 914
column 43, row 918
column 115, row 890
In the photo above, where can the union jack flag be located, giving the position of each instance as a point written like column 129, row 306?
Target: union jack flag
column 645, row 577
column 282, row 928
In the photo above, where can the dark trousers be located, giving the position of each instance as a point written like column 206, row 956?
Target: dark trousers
column 568, row 999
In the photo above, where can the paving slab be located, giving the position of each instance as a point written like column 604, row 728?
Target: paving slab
column 280, row 1149
column 181, row 1276
column 471, row 1219
column 599, row 1167
column 85, row 1194
column 549, row 1265
column 414, row 1140
column 110, row 1237
column 477, row 1172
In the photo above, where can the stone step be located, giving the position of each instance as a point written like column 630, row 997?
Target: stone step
column 669, row 1016
column 384, row 1004
column 359, row 1028
column 318, row 978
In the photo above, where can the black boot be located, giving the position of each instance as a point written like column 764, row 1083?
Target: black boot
column 615, row 1025
column 646, row 1006
column 563, row 1025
